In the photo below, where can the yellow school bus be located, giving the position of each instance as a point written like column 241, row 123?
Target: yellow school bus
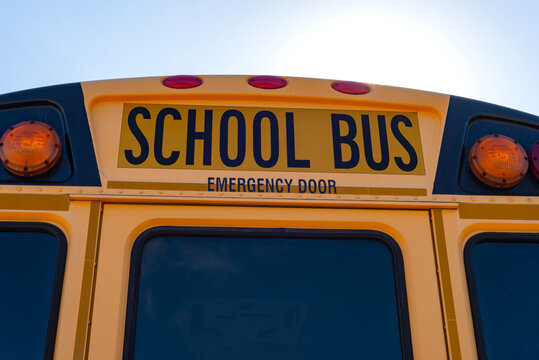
column 265, row 217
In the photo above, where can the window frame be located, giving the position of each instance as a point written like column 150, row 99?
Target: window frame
column 54, row 310
column 289, row 233
column 491, row 237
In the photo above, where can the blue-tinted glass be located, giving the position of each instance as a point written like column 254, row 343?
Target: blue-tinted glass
column 507, row 281
column 27, row 268
column 259, row 298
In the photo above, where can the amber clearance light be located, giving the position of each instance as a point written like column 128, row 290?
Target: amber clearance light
column 30, row 148
column 498, row 161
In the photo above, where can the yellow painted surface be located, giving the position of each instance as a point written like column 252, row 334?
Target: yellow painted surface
column 123, row 223
column 34, row 202
column 499, row 211
column 445, row 285
column 74, row 225
column 280, row 187
column 109, row 103
column 457, row 232
column 282, row 139
column 82, row 335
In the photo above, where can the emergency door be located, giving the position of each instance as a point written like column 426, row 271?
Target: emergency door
column 196, row 281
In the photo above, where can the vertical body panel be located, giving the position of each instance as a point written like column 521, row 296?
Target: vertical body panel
column 459, row 226
column 122, row 224
column 74, row 222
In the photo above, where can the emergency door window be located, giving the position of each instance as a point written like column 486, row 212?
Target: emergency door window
column 32, row 258
column 503, row 278
column 246, row 294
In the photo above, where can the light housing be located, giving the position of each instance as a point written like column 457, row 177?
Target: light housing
column 182, row 82
column 351, row 87
column 30, row 148
column 498, row 161
column 267, row 82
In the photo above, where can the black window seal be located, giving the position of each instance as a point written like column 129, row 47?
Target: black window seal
column 54, row 309
column 136, row 252
column 487, row 237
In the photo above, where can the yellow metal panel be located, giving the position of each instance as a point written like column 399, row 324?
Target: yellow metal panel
column 458, row 230
column 88, row 281
column 105, row 102
column 499, row 211
column 123, row 223
column 74, row 224
column 446, row 289
column 34, row 202
column 291, row 189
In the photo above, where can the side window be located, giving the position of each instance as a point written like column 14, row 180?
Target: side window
column 503, row 280
column 266, row 294
column 32, row 258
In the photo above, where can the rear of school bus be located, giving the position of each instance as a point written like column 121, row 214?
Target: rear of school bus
column 236, row 217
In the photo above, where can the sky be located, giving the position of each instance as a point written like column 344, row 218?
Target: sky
column 485, row 50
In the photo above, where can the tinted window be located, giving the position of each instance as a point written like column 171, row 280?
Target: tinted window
column 249, row 297
column 30, row 284
column 505, row 297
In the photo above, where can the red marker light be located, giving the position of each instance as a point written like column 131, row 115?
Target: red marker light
column 267, row 82
column 182, row 82
column 351, row 87
column 498, row 161
column 534, row 159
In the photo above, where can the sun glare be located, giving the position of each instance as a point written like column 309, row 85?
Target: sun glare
column 378, row 49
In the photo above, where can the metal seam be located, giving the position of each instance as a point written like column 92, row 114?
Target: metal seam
column 88, row 282
column 444, row 279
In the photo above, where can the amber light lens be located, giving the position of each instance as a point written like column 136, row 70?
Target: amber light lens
column 498, row 161
column 30, row 148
